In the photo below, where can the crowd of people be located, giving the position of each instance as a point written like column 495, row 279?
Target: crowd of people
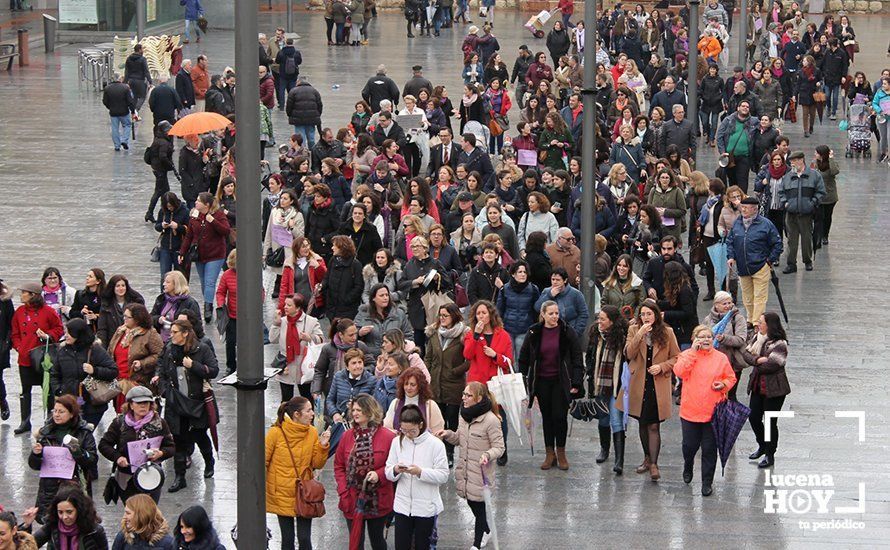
column 406, row 268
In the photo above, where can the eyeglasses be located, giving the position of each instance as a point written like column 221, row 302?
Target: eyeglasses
column 444, row 315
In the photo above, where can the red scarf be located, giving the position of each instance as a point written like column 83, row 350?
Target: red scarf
column 777, row 173
column 293, row 344
column 809, row 72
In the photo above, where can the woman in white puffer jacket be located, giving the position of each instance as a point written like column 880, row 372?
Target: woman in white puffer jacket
column 417, row 461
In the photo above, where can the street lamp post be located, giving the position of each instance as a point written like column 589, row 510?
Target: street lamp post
column 140, row 19
column 251, row 383
column 290, row 16
column 588, row 163
column 692, row 91
column 743, row 33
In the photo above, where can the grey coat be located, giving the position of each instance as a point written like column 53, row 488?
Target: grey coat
column 395, row 319
column 391, row 279
column 801, row 194
column 327, row 365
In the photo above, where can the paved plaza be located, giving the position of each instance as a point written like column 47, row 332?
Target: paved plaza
column 69, row 200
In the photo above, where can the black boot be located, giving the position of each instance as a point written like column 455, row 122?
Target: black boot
column 25, row 426
column 179, row 468
column 208, row 312
column 502, row 460
column 4, row 409
column 209, row 463
column 605, row 435
column 618, row 438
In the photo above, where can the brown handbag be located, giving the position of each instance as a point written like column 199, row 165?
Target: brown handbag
column 494, row 127
column 309, row 502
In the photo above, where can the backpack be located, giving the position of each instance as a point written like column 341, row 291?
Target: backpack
column 290, row 66
column 147, row 156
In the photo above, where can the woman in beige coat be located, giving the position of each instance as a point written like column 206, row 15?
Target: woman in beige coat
column 294, row 332
column 481, row 443
column 651, row 352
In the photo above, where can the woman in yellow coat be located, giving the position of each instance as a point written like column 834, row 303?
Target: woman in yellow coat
column 651, row 352
column 294, row 449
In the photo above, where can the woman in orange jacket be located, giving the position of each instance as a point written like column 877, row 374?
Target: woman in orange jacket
column 709, row 47
column 707, row 377
column 487, row 346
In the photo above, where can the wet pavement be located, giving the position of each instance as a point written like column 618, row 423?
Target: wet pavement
column 70, row 201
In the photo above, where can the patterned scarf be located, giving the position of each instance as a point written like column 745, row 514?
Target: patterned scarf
column 607, row 361
column 360, row 462
column 128, row 335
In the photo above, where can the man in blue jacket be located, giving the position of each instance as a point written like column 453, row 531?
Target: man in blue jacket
column 753, row 246
column 193, row 11
column 800, row 194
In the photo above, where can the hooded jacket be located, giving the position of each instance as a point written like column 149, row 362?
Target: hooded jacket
column 699, row 370
column 614, row 296
column 517, row 309
column 418, row 496
column 293, row 451
column 304, row 106
column 395, row 319
column 160, row 539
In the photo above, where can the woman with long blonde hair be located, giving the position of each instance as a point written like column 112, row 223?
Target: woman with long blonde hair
column 143, row 526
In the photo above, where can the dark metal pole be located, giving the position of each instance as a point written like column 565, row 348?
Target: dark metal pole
column 692, row 91
column 251, row 417
column 743, row 33
column 588, row 163
column 290, row 15
column 140, row 19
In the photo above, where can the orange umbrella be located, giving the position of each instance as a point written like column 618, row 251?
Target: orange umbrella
column 198, row 123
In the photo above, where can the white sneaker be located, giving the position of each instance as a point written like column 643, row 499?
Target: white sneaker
column 473, row 548
column 485, row 538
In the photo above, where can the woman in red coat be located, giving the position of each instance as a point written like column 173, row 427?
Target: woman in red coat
column 302, row 274
column 488, row 348
column 359, row 468
column 208, row 228
column 33, row 324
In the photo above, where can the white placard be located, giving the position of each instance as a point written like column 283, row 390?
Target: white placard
column 78, row 11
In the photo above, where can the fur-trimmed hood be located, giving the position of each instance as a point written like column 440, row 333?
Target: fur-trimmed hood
column 162, row 531
column 368, row 271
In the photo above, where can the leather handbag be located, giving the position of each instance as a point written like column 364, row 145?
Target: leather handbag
column 309, row 502
column 494, row 127
column 698, row 252
column 819, row 97
column 155, row 255
column 101, row 391
column 275, row 258
column 193, row 255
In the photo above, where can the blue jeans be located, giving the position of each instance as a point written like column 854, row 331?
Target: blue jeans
column 284, row 86
column 709, row 124
column 209, row 273
column 341, row 31
column 832, row 92
column 169, row 262
column 566, row 24
column 517, row 340
column 615, row 420
column 308, row 133
column 188, row 25
column 118, row 137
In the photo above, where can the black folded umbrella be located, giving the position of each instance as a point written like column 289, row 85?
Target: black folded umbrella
column 775, row 279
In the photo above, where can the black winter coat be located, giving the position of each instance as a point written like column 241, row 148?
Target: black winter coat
column 806, row 88
column 7, row 310
column 113, row 444
column 323, row 150
column 118, row 99
column 185, row 88
column 170, row 239
column 321, row 226
column 184, row 412
column 835, row 65
column 164, row 102
column 304, row 105
column 85, row 457
column 539, row 268
column 49, row 535
column 67, row 373
column 396, row 133
column 111, row 316
column 188, row 303
column 191, row 170
column 571, row 360
column 162, row 152
column 342, row 287
column 89, row 299
column 481, row 282
column 378, row 88
column 219, row 100
column 558, row 43
column 367, row 240
column 136, row 68
column 711, row 94
column 412, row 270
column 681, row 316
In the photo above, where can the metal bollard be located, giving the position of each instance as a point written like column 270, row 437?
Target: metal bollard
column 49, row 33
column 24, row 58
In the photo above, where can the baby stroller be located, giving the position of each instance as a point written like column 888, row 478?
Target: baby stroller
column 858, row 132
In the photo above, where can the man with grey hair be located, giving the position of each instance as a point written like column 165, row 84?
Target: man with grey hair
column 380, row 87
column 121, row 104
column 565, row 253
column 680, row 132
column 386, row 106
column 163, row 101
column 185, row 87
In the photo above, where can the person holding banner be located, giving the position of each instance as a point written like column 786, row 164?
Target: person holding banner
column 64, row 452
column 139, row 428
